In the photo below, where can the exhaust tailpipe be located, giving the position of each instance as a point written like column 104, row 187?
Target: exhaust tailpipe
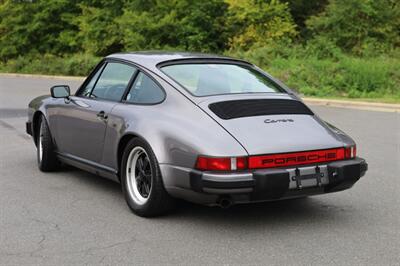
column 225, row 202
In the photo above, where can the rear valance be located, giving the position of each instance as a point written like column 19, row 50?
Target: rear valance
column 256, row 107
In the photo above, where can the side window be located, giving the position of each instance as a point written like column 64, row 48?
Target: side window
column 113, row 81
column 145, row 91
column 88, row 89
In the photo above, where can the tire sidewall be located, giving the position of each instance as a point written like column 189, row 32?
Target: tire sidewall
column 155, row 176
column 41, row 129
column 49, row 161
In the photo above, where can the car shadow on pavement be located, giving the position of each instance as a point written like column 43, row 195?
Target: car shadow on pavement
column 290, row 212
column 311, row 210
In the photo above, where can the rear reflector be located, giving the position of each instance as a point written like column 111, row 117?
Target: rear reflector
column 296, row 158
column 274, row 160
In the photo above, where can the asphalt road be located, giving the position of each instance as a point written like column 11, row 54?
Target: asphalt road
column 72, row 217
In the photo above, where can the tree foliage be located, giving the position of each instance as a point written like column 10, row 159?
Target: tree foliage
column 257, row 23
column 98, row 32
column 345, row 48
column 164, row 24
column 35, row 27
column 359, row 25
column 302, row 10
column 100, row 27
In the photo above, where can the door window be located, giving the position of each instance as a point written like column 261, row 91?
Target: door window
column 88, row 89
column 145, row 91
column 113, row 81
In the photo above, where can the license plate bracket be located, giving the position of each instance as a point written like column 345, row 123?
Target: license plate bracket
column 298, row 177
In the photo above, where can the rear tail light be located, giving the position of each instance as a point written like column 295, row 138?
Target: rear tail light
column 221, row 163
column 241, row 163
column 350, row 152
column 205, row 163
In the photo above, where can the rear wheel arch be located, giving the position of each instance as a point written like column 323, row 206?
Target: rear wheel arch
column 123, row 142
column 121, row 148
column 156, row 200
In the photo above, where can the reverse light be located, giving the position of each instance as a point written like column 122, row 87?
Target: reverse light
column 350, row 152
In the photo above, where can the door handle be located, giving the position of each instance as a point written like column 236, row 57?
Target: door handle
column 102, row 115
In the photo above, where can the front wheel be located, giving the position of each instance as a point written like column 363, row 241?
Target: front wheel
column 142, row 182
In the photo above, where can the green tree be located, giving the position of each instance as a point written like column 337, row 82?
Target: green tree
column 35, row 27
column 257, row 23
column 98, row 31
column 203, row 25
column 360, row 25
column 301, row 10
column 164, row 24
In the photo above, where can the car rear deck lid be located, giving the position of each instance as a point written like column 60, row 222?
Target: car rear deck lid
column 257, row 107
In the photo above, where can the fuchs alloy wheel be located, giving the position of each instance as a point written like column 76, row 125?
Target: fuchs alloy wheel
column 142, row 182
column 138, row 173
column 46, row 156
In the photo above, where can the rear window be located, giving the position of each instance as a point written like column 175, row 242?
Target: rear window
column 214, row 79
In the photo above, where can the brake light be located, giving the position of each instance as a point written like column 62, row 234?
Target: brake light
column 241, row 163
column 221, row 163
column 350, row 152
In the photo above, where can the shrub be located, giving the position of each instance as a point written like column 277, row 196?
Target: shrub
column 322, row 47
column 356, row 24
column 340, row 76
column 333, row 76
column 75, row 65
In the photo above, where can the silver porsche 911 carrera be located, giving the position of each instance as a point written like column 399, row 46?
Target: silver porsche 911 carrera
column 208, row 129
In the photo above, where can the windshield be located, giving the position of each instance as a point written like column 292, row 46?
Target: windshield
column 214, row 79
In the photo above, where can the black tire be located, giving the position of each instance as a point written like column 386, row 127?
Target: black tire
column 47, row 161
column 158, row 200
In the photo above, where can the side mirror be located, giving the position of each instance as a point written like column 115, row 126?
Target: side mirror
column 60, row 91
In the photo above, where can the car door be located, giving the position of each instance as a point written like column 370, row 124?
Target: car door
column 132, row 113
column 83, row 119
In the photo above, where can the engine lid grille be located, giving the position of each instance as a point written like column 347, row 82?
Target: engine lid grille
column 257, row 107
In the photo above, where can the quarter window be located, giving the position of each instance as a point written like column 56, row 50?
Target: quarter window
column 145, row 91
column 113, row 81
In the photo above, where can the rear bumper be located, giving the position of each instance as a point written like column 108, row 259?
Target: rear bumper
column 265, row 184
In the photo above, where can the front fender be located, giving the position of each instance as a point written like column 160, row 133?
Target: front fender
column 36, row 107
column 42, row 105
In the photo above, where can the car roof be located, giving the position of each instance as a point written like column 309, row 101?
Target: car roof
column 150, row 59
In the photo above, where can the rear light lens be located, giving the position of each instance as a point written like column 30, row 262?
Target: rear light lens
column 350, row 152
column 296, row 158
column 241, row 163
column 205, row 163
column 221, row 163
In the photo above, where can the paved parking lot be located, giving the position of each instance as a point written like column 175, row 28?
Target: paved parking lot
column 72, row 217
